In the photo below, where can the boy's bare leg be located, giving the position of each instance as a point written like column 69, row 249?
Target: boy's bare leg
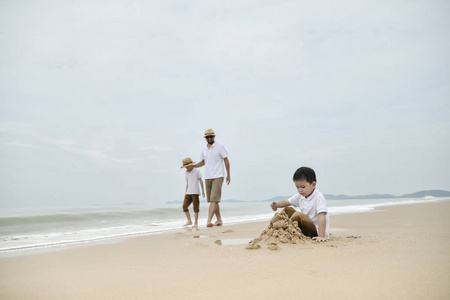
column 217, row 213
column 196, row 221
column 188, row 216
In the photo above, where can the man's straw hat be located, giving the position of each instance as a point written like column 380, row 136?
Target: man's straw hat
column 187, row 162
column 209, row 132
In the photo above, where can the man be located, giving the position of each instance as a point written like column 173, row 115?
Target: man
column 213, row 157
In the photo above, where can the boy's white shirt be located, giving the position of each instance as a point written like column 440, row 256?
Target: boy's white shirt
column 192, row 182
column 311, row 207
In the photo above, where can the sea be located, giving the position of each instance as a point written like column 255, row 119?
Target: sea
column 29, row 231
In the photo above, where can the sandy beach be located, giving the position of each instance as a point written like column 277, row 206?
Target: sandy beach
column 400, row 252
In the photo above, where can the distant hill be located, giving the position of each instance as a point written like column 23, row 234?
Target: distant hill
column 204, row 200
column 371, row 196
column 132, row 203
column 340, row 197
column 278, row 198
column 433, row 193
column 420, row 194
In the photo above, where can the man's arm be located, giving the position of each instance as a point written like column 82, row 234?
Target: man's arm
column 279, row 204
column 322, row 225
column 227, row 166
column 200, row 164
column 201, row 184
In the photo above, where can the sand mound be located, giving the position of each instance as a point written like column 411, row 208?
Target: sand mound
column 281, row 229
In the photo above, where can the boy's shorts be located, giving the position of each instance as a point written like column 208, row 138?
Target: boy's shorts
column 306, row 225
column 214, row 189
column 188, row 199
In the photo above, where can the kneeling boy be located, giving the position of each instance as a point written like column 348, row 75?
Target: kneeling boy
column 313, row 217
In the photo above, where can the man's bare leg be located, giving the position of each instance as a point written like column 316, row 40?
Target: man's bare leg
column 210, row 215
column 217, row 213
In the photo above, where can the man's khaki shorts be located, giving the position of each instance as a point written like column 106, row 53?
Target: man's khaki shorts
column 214, row 189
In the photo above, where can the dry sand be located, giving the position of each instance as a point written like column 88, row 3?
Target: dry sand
column 399, row 253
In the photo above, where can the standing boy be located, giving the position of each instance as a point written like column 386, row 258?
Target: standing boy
column 193, row 178
column 313, row 217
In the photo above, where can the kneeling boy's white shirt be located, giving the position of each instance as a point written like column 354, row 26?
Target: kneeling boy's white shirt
column 311, row 207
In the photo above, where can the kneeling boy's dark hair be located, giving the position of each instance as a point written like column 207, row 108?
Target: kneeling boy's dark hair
column 305, row 173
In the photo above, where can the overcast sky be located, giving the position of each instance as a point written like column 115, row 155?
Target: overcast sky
column 101, row 100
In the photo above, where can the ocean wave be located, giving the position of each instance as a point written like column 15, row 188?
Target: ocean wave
column 81, row 215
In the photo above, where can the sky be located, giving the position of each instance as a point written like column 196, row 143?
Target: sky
column 100, row 101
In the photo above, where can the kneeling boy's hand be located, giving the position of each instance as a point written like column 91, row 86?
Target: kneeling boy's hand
column 320, row 239
column 274, row 206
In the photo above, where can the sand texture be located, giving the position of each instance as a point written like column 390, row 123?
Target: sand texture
column 400, row 252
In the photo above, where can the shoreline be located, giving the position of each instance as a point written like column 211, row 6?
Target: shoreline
column 36, row 247
column 395, row 252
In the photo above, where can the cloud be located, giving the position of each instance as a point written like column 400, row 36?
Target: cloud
column 17, row 129
column 98, row 152
column 16, row 144
column 105, row 157
column 68, row 142
column 156, row 148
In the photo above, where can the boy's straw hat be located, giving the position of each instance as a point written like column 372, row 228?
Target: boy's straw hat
column 209, row 132
column 187, row 162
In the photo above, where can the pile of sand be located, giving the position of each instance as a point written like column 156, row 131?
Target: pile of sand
column 281, row 229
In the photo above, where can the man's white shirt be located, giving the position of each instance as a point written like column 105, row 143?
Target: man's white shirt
column 213, row 157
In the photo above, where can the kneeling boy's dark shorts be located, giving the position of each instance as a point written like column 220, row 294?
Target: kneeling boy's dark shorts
column 188, row 199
